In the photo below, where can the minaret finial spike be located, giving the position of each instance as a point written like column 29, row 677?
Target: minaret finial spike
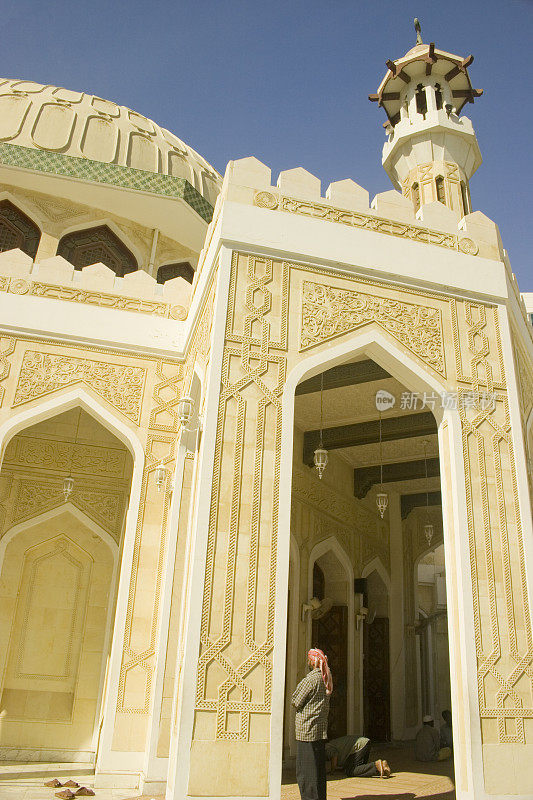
column 418, row 30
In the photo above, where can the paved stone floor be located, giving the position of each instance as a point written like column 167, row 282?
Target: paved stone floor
column 25, row 781
column 410, row 780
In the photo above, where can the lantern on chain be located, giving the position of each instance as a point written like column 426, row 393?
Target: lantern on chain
column 320, row 456
column 382, row 498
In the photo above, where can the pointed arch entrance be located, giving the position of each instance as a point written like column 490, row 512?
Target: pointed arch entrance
column 405, row 375
column 331, row 628
column 59, row 556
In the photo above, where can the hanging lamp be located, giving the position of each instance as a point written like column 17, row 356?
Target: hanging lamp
column 382, row 498
column 68, row 482
column 320, row 456
column 428, row 527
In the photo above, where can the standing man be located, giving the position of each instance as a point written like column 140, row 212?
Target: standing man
column 311, row 701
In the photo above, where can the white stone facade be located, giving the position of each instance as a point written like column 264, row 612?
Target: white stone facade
column 154, row 620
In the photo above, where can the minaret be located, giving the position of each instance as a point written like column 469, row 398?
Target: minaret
column 431, row 152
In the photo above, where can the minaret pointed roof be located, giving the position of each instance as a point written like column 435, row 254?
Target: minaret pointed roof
column 418, row 63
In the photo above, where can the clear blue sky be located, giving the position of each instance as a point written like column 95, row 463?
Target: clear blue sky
column 287, row 80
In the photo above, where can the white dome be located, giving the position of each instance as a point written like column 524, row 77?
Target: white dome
column 82, row 125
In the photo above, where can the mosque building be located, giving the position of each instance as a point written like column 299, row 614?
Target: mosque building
column 238, row 418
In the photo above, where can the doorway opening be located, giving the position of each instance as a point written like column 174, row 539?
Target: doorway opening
column 65, row 485
column 367, row 575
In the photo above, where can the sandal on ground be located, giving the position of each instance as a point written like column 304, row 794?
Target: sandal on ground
column 53, row 784
column 379, row 765
column 386, row 769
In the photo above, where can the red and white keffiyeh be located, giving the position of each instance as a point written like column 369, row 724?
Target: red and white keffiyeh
column 317, row 658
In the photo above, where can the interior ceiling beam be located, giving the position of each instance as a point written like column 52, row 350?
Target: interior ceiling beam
column 404, row 427
column 344, row 375
column 366, row 477
column 410, row 501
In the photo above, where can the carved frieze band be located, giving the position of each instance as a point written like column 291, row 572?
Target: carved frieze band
column 357, row 219
column 48, row 454
column 329, row 312
column 91, row 297
column 42, row 373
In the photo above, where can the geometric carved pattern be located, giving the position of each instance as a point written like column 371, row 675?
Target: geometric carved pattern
column 42, row 373
column 329, row 312
column 480, row 323
column 7, row 346
column 138, row 654
column 253, row 376
column 163, row 416
column 87, row 169
column 503, row 644
column 502, row 622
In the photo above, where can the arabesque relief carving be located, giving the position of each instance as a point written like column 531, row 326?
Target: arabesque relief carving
column 329, row 312
column 357, row 219
column 49, row 454
column 248, row 430
column 104, row 506
column 42, row 373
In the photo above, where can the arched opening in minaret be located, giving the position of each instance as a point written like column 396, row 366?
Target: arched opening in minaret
column 440, row 189
column 415, row 194
column 465, row 197
column 438, row 96
column 421, row 100
column 370, row 591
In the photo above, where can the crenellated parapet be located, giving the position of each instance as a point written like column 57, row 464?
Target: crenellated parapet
column 55, row 278
column 297, row 191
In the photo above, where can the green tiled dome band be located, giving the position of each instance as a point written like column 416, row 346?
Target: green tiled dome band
column 85, row 169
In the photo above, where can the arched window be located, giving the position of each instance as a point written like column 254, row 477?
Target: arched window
column 17, row 230
column 95, row 245
column 169, row 271
column 438, row 95
column 465, row 198
column 421, row 100
column 441, row 193
column 415, row 194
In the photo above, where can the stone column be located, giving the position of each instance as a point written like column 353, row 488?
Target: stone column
column 397, row 644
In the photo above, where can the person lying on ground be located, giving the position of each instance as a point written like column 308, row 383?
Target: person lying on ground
column 351, row 753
